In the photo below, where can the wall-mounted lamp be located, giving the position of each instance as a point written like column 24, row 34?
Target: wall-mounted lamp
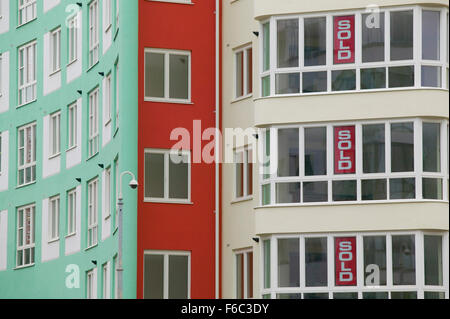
column 256, row 239
column 78, row 179
column 101, row 165
column 256, row 33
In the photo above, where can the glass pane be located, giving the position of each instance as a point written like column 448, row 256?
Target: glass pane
column 345, row 295
column 153, row 276
column 249, row 71
column 154, row 74
column 315, row 151
column 374, row 148
column 402, row 35
column 404, row 260
column 249, row 166
column 375, row 295
column 433, row 260
column 287, row 83
column 401, row 76
column 430, row 34
column 266, row 247
column 154, row 175
column 178, row 176
column 288, row 193
column 287, row 43
column 179, row 76
column 434, row 295
column 343, row 80
column 239, row 171
column 374, row 189
column 402, row 188
column 289, row 296
column 266, row 46
column 375, row 261
column 432, row 188
column 266, row 162
column 239, row 74
column 314, row 82
column 315, row 192
column 288, row 144
column 288, row 262
column 373, row 78
column 266, row 194
column 315, row 41
column 249, row 272
column 178, row 277
column 431, row 147
column 265, row 86
column 404, row 295
column 315, row 296
column 344, row 191
column 431, row 76
column 239, row 276
column 316, row 262
column 373, row 37
column 402, row 147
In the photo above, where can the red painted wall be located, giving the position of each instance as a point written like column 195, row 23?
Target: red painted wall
column 177, row 226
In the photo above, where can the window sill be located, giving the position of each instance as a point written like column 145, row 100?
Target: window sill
column 51, row 241
column 107, row 122
column 115, row 230
column 52, row 73
column 24, row 266
column 170, row 101
column 116, row 33
column 71, row 148
column 24, row 104
column 242, row 199
column 70, row 235
column 168, row 201
column 115, row 132
column 241, row 98
column 92, row 66
column 108, row 216
column 90, row 247
column 21, row 25
column 24, row 185
column 54, row 156
column 108, row 27
column 92, row 156
column 72, row 62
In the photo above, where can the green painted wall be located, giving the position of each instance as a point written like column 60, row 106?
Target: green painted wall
column 48, row 279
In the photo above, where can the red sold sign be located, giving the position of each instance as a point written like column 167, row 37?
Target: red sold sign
column 344, row 150
column 345, row 261
column 344, row 39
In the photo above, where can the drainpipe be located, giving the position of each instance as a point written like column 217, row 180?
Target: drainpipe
column 217, row 152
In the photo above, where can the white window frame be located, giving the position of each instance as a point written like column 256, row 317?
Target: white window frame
column 24, row 8
column 117, row 14
column 108, row 14
column 72, row 212
column 72, row 126
column 1, row 152
column 1, row 72
column 166, row 97
column 106, row 290
column 27, row 245
column 108, row 188
column 247, row 92
column 360, row 287
column 108, row 99
column 93, row 130
column 116, row 186
column 416, row 61
column 53, row 218
column 166, row 255
column 94, row 42
column 28, row 69
column 90, row 284
column 55, row 52
column 245, row 256
column 92, row 213
column 72, row 39
column 29, row 148
column 417, row 173
column 55, row 135
column 242, row 153
column 117, row 79
column 166, row 198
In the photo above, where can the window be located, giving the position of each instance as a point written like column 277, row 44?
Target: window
column 167, row 75
column 117, row 94
column 355, row 266
column 108, row 13
column 27, row 73
column 72, row 39
column 92, row 230
column 26, row 154
column 244, row 72
column 53, row 218
column 166, row 275
column 90, row 285
column 320, row 163
column 354, row 52
column 167, row 176
column 93, row 123
column 25, row 235
column 0, row 153
column 27, row 11
column 243, row 173
column 117, row 14
column 1, row 72
column 117, row 183
column 55, row 134
column 71, row 211
column 244, row 274
column 72, row 126
column 106, row 293
column 108, row 192
column 93, row 33
column 107, row 115
column 55, row 50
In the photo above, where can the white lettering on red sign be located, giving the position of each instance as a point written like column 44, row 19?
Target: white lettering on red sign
column 345, row 261
column 344, row 39
column 344, row 150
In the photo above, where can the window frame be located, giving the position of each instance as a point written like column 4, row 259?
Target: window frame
column 93, row 33
column 272, row 179
column 72, row 126
column 166, row 98
column 23, row 8
column 244, row 152
column 245, row 275
column 166, row 198
column 417, row 62
column 92, row 213
column 108, row 99
column 28, row 69
column 93, row 123
column 55, row 61
column 72, row 39
column 108, row 190
column 27, row 147
column 71, row 212
column 32, row 244
column 55, row 119
column 54, row 218
column 90, row 284
column 360, row 286
column 247, row 72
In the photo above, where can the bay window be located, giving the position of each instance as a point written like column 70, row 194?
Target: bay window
column 402, row 47
column 383, row 265
column 356, row 162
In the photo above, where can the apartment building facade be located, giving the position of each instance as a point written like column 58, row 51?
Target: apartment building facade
column 349, row 197
column 66, row 119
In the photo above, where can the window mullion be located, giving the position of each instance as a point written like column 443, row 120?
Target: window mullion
column 302, row 263
column 417, row 45
column 330, row 262
column 418, row 155
column 166, row 175
column 273, row 54
column 166, row 277
column 166, row 75
column 420, row 260
column 330, row 160
column 359, row 158
column 389, row 269
column 329, row 49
